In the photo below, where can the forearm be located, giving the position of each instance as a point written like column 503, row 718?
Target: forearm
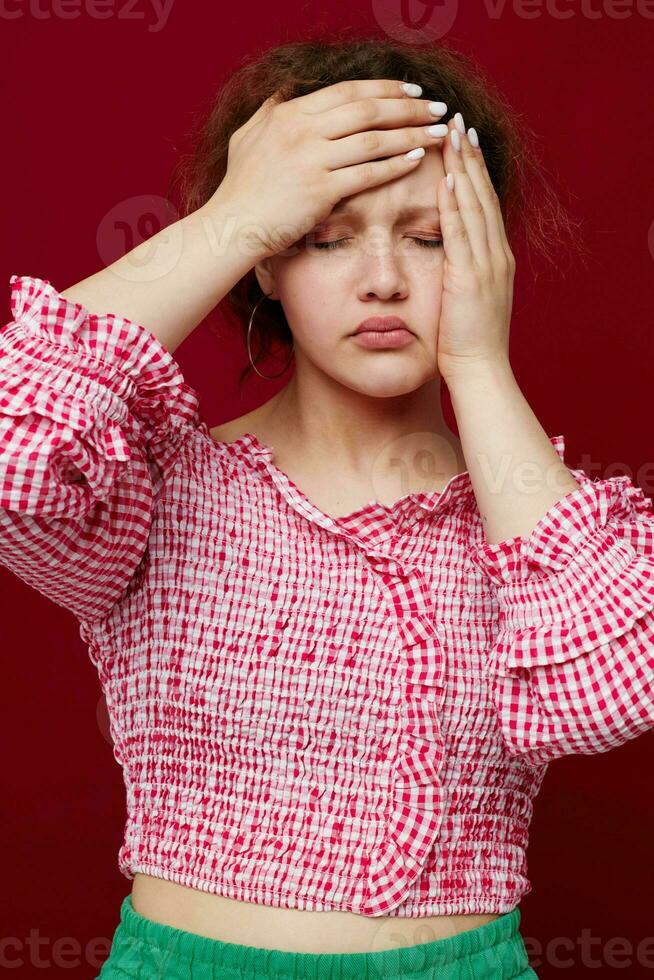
column 516, row 473
column 170, row 282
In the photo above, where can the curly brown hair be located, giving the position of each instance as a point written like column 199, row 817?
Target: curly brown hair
column 530, row 205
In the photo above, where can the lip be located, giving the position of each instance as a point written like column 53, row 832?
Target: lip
column 382, row 332
column 381, row 323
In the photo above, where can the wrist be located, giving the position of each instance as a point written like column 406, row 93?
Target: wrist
column 232, row 232
column 487, row 371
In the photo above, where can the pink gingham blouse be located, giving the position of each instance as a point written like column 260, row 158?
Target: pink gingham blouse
column 316, row 713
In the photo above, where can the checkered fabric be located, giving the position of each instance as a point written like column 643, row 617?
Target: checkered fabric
column 351, row 714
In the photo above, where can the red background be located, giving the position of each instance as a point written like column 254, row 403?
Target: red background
column 95, row 113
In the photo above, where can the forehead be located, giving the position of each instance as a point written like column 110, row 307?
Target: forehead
column 411, row 194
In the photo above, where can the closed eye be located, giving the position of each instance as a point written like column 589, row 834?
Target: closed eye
column 338, row 243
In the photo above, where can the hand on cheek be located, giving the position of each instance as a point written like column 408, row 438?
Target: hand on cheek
column 478, row 265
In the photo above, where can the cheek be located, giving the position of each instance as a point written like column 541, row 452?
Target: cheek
column 314, row 275
column 315, row 301
column 426, row 297
column 321, row 301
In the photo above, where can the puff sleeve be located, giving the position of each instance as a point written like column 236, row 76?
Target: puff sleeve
column 574, row 643
column 92, row 412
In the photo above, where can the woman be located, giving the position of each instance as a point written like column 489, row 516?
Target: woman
column 338, row 644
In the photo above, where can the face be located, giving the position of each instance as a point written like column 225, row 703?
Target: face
column 379, row 253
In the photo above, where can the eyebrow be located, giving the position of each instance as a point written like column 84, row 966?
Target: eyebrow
column 345, row 210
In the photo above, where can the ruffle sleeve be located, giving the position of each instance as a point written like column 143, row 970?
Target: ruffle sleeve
column 573, row 652
column 93, row 410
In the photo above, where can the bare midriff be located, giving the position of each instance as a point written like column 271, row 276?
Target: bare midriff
column 291, row 930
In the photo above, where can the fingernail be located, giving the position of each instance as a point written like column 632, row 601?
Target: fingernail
column 439, row 130
column 458, row 122
column 472, row 136
column 450, row 182
column 456, row 139
column 415, row 154
column 411, row 89
column 437, row 108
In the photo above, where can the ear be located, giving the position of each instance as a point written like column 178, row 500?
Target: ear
column 266, row 277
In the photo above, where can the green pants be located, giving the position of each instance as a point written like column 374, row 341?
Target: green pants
column 144, row 949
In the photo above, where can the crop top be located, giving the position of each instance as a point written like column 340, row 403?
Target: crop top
column 310, row 712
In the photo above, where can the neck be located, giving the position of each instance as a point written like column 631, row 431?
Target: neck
column 360, row 433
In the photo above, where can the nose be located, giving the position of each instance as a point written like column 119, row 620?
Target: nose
column 381, row 273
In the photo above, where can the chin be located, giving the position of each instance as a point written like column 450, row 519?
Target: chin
column 387, row 383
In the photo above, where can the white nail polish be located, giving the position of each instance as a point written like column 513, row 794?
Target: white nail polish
column 415, row 154
column 455, row 136
column 437, row 108
column 472, row 136
column 459, row 123
column 411, row 89
column 440, row 129
column 450, row 181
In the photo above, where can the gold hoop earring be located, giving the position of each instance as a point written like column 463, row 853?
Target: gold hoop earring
column 268, row 377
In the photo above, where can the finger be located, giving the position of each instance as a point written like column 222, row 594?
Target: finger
column 456, row 244
column 350, row 180
column 452, row 159
column 351, row 90
column 374, row 144
column 470, row 208
column 367, row 114
column 476, row 169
